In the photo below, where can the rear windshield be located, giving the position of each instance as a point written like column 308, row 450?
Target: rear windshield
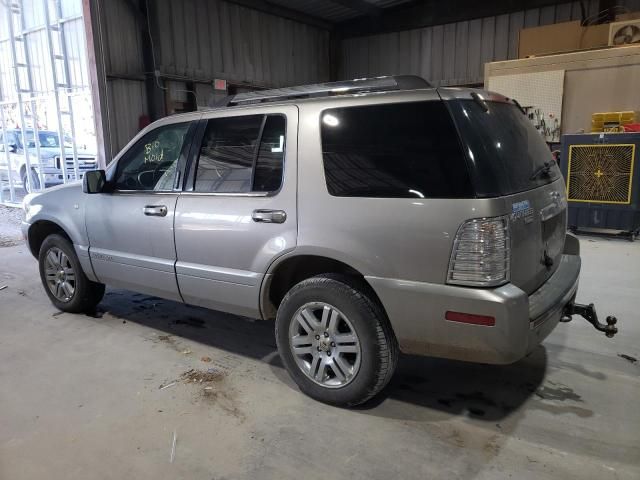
column 506, row 154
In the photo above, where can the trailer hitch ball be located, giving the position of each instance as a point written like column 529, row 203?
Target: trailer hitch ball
column 588, row 312
column 610, row 329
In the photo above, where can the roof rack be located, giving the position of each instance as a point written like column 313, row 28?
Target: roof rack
column 359, row 85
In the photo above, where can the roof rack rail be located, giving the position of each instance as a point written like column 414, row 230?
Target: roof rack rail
column 359, row 85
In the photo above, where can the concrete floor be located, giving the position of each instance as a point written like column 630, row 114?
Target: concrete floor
column 80, row 396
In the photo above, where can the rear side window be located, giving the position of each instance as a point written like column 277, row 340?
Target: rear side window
column 401, row 150
column 226, row 157
column 267, row 176
column 242, row 154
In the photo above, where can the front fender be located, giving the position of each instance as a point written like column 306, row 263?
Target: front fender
column 64, row 207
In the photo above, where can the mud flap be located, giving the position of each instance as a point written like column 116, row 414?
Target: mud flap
column 588, row 312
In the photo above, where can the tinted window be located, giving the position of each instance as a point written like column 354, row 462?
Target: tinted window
column 227, row 154
column 151, row 164
column 268, row 173
column 235, row 158
column 505, row 149
column 403, row 150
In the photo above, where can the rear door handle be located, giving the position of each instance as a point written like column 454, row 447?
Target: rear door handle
column 155, row 210
column 269, row 216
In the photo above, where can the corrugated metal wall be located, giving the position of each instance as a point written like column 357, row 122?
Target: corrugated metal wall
column 126, row 100
column 455, row 53
column 206, row 39
column 201, row 40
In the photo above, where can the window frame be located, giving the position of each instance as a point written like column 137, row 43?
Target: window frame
column 178, row 181
column 194, row 156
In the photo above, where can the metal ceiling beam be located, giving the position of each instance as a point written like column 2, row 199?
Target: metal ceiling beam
column 360, row 6
column 421, row 13
column 278, row 11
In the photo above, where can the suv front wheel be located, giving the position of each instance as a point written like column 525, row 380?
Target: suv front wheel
column 63, row 279
column 335, row 341
column 31, row 182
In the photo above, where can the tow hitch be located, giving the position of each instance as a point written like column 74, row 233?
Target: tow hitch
column 588, row 312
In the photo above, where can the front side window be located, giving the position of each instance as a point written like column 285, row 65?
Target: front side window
column 151, row 164
column 400, row 150
column 241, row 154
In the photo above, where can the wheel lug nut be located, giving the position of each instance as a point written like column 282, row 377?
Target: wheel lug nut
column 333, row 344
column 317, row 337
column 319, row 349
column 329, row 353
column 326, row 334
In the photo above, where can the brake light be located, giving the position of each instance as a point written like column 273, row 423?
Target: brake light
column 481, row 253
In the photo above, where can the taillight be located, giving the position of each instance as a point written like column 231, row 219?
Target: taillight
column 481, row 253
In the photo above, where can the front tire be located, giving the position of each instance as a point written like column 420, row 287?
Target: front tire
column 31, row 183
column 335, row 340
column 63, row 279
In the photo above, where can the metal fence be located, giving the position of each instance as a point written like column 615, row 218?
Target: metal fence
column 46, row 119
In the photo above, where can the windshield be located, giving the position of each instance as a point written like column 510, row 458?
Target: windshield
column 46, row 140
column 506, row 153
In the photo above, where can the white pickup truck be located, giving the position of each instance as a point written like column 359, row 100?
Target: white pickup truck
column 11, row 141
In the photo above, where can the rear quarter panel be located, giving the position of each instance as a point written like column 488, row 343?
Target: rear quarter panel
column 400, row 238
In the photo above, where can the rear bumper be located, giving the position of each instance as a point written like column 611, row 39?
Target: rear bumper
column 417, row 313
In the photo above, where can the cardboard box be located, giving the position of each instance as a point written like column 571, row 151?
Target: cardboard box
column 627, row 16
column 561, row 37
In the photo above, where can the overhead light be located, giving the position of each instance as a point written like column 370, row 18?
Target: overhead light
column 417, row 193
column 330, row 120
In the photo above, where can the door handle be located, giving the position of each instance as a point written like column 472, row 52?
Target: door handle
column 155, row 210
column 269, row 216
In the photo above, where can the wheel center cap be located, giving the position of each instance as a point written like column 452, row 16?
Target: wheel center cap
column 325, row 344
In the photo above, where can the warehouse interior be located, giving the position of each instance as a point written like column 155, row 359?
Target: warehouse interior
column 151, row 387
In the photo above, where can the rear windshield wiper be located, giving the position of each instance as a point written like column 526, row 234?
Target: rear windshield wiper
column 543, row 170
column 517, row 104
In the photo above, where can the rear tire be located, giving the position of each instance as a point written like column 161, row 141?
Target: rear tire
column 335, row 340
column 63, row 279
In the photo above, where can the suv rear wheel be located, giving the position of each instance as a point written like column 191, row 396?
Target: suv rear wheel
column 63, row 279
column 335, row 341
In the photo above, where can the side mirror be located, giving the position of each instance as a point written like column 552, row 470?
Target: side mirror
column 13, row 148
column 94, row 181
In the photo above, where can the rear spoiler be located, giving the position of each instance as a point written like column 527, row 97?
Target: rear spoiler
column 478, row 95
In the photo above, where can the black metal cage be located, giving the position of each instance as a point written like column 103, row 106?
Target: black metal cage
column 602, row 173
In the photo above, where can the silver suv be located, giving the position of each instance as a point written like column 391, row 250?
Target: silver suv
column 367, row 217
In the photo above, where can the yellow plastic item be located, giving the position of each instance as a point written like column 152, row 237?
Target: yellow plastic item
column 611, row 121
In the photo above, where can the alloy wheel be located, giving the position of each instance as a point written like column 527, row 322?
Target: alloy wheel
column 325, row 344
column 59, row 274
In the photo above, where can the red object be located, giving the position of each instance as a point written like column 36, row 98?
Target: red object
column 143, row 121
column 632, row 127
column 220, row 84
column 470, row 318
